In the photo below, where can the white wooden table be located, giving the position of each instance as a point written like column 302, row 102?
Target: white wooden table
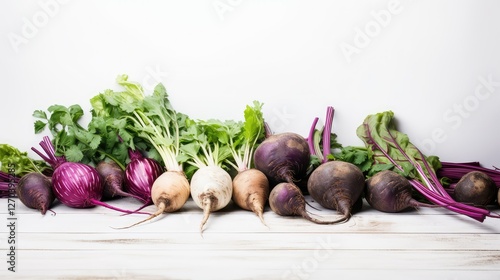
column 81, row 244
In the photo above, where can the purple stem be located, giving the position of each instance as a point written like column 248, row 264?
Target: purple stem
column 134, row 154
column 434, row 191
column 104, row 204
column 310, row 138
column 471, row 211
column 439, row 200
column 5, row 190
column 6, row 177
column 455, row 171
column 327, row 131
column 267, row 130
column 50, row 154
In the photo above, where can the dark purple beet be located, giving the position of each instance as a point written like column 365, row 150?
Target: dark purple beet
column 35, row 191
column 337, row 185
column 114, row 178
column 390, row 192
column 283, row 157
column 286, row 199
column 476, row 188
column 74, row 184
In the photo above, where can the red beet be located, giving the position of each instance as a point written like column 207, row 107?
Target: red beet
column 283, row 157
column 114, row 178
column 286, row 199
column 35, row 191
column 476, row 188
column 388, row 191
column 337, row 185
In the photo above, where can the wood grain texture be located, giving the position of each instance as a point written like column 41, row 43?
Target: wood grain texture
column 82, row 244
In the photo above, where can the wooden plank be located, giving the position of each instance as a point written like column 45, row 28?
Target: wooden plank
column 244, row 221
column 257, row 241
column 73, row 244
column 252, row 273
column 285, row 264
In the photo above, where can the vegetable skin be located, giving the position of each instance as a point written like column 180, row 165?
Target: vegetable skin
column 337, row 185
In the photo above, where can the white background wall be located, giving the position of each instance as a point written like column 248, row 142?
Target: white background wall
column 436, row 64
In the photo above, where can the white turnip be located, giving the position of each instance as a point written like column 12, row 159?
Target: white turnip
column 211, row 190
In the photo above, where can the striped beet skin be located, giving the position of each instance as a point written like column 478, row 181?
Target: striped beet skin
column 77, row 185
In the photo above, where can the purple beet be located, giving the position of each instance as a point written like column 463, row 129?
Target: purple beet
column 35, row 191
column 390, row 192
column 114, row 180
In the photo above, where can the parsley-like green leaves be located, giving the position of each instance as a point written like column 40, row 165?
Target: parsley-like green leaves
column 12, row 159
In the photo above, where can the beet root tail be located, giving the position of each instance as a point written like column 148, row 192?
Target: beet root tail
column 161, row 208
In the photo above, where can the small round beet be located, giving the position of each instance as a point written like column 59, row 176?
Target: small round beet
column 476, row 188
column 286, row 199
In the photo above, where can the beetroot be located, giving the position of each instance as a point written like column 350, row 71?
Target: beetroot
column 388, row 191
column 337, row 185
column 35, row 191
column 113, row 177
column 476, row 188
column 283, row 157
column 140, row 174
column 286, row 199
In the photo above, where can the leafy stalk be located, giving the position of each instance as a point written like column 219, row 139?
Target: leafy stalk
column 322, row 141
column 392, row 147
column 245, row 137
column 13, row 161
column 77, row 143
column 205, row 143
column 146, row 120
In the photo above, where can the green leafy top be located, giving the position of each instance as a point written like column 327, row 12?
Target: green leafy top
column 78, row 144
column 71, row 140
column 391, row 147
column 12, row 160
column 151, row 118
column 121, row 120
column 204, row 143
column 245, row 137
column 216, row 142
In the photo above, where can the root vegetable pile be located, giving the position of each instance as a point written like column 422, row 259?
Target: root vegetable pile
column 137, row 146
